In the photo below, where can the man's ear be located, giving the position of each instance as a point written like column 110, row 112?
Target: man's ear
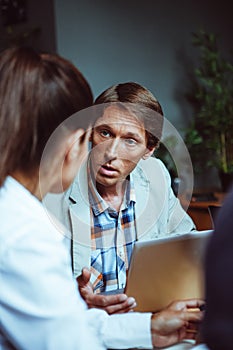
column 148, row 153
column 73, row 144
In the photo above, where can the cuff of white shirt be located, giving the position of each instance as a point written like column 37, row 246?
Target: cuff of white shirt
column 123, row 331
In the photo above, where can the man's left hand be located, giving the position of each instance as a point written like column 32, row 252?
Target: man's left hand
column 115, row 303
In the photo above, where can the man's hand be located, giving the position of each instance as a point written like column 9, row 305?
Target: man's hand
column 176, row 322
column 116, row 303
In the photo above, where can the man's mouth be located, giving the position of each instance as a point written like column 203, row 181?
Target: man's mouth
column 107, row 170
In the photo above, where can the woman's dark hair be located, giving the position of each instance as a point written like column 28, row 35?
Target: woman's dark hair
column 143, row 103
column 37, row 93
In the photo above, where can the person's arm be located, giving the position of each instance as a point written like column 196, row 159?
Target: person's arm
column 145, row 330
column 40, row 306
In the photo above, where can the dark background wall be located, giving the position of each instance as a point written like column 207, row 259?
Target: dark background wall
column 145, row 41
column 149, row 42
column 28, row 22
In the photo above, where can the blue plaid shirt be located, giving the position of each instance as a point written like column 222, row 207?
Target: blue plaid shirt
column 112, row 237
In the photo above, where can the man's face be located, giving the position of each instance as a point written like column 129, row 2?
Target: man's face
column 118, row 143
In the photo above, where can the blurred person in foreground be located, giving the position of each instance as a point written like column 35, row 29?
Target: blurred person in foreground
column 217, row 328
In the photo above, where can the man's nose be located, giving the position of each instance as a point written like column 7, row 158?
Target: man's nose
column 112, row 149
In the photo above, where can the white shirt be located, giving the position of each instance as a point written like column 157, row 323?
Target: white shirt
column 40, row 307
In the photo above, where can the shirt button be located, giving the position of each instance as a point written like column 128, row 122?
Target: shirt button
column 121, row 253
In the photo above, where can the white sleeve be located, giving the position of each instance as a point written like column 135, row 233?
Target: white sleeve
column 40, row 307
column 122, row 331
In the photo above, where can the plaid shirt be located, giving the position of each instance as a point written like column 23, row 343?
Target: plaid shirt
column 112, row 237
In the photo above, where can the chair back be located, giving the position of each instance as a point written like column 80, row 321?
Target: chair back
column 213, row 211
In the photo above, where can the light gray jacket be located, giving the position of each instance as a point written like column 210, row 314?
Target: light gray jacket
column 158, row 212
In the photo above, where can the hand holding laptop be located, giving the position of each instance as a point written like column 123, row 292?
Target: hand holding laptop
column 180, row 320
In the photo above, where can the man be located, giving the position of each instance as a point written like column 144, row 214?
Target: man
column 119, row 196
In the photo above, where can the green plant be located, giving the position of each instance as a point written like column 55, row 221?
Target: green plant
column 210, row 136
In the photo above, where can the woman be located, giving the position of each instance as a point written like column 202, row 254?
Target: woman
column 39, row 304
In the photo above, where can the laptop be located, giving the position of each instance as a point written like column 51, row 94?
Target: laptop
column 167, row 269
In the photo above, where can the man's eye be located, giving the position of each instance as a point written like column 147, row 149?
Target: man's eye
column 131, row 142
column 105, row 133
